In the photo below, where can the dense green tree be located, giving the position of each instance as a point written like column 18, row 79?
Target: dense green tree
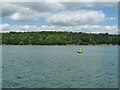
column 58, row 38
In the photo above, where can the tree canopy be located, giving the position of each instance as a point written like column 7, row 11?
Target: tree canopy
column 58, row 38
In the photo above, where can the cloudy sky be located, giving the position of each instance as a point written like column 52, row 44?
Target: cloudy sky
column 89, row 17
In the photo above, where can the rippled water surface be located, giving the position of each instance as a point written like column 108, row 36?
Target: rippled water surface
column 60, row 66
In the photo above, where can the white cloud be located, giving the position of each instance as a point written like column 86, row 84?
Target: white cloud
column 80, row 17
column 111, row 18
column 11, row 8
column 60, row 1
column 79, row 28
column 4, row 26
column 25, row 17
column 33, row 11
column 8, row 9
column 42, row 6
column 60, row 16
column 28, row 11
column 92, row 3
column 19, row 13
column 7, row 27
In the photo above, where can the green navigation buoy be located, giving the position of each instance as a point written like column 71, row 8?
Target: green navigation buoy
column 80, row 50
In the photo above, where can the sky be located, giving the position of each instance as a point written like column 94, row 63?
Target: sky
column 88, row 17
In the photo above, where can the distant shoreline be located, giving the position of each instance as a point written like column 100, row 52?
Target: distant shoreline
column 59, row 38
column 60, row 45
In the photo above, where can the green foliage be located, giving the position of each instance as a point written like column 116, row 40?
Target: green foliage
column 58, row 38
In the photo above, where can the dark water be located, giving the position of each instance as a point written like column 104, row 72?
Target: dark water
column 60, row 66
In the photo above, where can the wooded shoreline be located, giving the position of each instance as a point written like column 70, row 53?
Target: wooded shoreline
column 58, row 38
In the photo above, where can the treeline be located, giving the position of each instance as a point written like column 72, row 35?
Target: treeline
column 58, row 38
